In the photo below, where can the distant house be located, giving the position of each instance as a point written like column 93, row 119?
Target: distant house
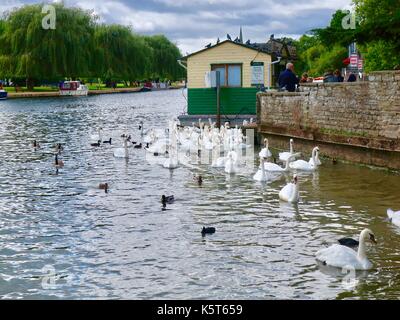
column 245, row 68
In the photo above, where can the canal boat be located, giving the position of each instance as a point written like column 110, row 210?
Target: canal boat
column 73, row 88
column 3, row 94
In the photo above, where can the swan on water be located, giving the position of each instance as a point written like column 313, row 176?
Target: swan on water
column 261, row 174
column 230, row 164
column 284, row 156
column 343, row 257
column 394, row 217
column 218, row 162
column 273, row 167
column 98, row 136
column 290, row 192
column 304, row 165
column 122, row 152
column 265, row 153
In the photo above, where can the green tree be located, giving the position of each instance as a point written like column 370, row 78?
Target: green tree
column 164, row 58
column 47, row 54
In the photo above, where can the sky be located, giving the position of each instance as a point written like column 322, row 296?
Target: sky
column 192, row 24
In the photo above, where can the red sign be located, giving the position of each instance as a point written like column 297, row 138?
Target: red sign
column 360, row 64
column 354, row 60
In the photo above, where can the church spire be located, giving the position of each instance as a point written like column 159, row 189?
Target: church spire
column 241, row 35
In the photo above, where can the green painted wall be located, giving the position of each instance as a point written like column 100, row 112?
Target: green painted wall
column 233, row 101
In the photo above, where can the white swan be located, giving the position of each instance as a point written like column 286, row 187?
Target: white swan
column 97, row 137
column 284, row 156
column 394, row 217
column 315, row 162
column 343, row 257
column 122, row 152
column 261, row 174
column 218, row 162
column 304, row 165
column 273, row 167
column 265, row 153
column 230, row 164
column 290, row 192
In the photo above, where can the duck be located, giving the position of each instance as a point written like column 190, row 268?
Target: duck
column 261, row 175
column 290, row 193
column 95, row 144
column 284, row 156
column 58, row 163
column 306, row 166
column 104, row 186
column 208, row 230
column 394, row 217
column 138, row 146
column 122, row 152
column 167, row 199
column 340, row 256
column 265, row 153
column 273, row 167
column 108, row 141
column 59, row 148
column 198, row 179
column 230, row 164
column 349, row 242
column 35, row 145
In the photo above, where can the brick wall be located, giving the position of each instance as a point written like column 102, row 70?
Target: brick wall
column 362, row 114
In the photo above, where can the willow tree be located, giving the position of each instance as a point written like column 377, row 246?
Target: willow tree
column 5, row 53
column 39, row 53
column 164, row 58
column 119, row 53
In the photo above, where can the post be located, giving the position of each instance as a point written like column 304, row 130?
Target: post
column 218, row 82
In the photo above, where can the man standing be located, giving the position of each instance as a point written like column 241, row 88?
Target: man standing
column 287, row 79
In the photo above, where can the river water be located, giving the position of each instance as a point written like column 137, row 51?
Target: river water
column 63, row 238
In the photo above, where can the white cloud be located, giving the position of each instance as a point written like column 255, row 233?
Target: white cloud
column 193, row 24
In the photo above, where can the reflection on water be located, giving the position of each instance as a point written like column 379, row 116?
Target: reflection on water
column 122, row 245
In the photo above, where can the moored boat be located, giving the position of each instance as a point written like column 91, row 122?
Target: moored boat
column 3, row 95
column 73, row 88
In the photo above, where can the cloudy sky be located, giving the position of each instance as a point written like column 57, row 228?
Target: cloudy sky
column 192, row 24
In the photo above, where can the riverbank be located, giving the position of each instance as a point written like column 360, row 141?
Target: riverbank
column 53, row 94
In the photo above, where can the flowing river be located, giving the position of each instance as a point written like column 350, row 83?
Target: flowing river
column 63, row 238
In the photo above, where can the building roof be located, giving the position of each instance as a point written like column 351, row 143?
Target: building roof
column 273, row 47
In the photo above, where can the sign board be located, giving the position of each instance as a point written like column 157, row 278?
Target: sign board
column 354, row 60
column 257, row 73
column 210, row 79
column 360, row 64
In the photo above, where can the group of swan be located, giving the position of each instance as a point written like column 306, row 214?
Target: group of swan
column 290, row 192
column 205, row 137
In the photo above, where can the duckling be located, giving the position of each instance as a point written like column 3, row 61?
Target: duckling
column 139, row 146
column 109, row 141
column 167, row 199
column 104, row 186
column 209, row 230
column 134, row 143
column 96, row 144
column 156, row 154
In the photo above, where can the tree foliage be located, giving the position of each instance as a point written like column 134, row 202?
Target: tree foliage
column 80, row 47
